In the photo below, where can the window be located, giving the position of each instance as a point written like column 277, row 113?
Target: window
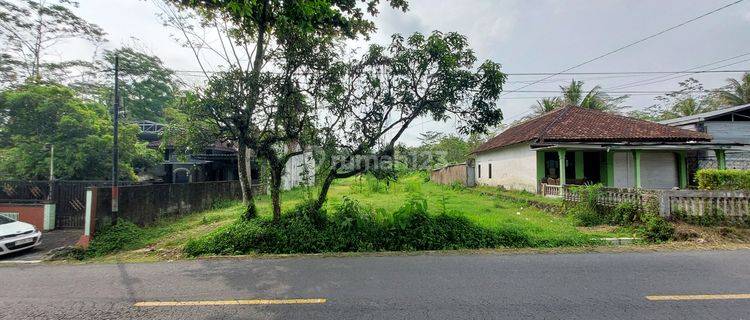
column 489, row 171
column 479, row 171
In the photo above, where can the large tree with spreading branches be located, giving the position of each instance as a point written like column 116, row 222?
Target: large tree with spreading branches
column 285, row 46
column 378, row 96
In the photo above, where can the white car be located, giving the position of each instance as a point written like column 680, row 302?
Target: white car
column 17, row 235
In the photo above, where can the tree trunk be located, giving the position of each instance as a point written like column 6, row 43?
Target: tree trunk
column 276, row 174
column 324, row 190
column 245, row 182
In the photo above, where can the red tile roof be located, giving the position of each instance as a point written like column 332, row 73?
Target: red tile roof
column 576, row 124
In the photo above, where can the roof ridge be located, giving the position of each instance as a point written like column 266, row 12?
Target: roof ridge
column 564, row 111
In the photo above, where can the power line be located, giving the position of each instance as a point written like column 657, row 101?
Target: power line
column 189, row 72
column 630, row 44
column 679, row 74
column 625, row 72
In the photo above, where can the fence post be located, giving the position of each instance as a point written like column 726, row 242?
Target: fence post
column 665, row 209
column 90, row 218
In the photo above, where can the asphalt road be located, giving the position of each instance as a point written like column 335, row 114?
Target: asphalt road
column 563, row 286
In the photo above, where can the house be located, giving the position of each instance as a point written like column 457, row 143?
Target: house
column 573, row 145
column 727, row 125
column 217, row 162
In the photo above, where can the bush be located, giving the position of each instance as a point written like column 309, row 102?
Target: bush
column 124, row 234
column 352, row 227
column 713, row 179
column 587, row 210
column 625, row 214
column 657, row 229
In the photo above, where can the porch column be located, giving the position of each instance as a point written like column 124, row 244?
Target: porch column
column 561, row 159
column 682, row 168
column 579, row 164
column 721, row 159
column 610, row 169
column 539, row 168
column 637, row 167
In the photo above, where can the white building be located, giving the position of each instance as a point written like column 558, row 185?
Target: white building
column 593, row 147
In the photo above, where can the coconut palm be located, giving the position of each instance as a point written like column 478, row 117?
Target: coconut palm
column 546, row 105
column 737, row 92
column 573, row 94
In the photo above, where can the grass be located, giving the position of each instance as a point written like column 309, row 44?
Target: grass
column 166, row 239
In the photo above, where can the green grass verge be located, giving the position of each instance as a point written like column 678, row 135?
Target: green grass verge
column 477, row 205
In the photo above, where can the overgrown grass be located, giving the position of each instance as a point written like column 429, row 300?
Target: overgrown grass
column 494, row 214
column 352, row 227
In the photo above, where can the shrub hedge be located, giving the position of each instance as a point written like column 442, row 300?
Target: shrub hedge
column 713, row 179
column 353, row 227
column 122, row 235
column 588, row 212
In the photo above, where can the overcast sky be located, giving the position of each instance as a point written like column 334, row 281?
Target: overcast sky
column 524, row 36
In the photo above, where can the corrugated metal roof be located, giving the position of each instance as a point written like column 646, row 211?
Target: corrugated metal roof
column 703, row 116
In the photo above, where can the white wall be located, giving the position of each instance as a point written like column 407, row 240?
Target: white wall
column 658, row 170
column 513, row 167
column 299, row 171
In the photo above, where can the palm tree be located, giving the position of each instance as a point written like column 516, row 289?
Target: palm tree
column 688, row 107
column 736, row 93
column 546, row 105
column 573, row 94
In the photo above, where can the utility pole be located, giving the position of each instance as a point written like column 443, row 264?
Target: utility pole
column 115, row 149
column 51, row 148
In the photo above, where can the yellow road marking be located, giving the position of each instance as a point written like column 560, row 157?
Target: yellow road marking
column 227, row 302
column 685, row 297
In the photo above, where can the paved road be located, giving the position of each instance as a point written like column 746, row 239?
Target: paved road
column 565, row 286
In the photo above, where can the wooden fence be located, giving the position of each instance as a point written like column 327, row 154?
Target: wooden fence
column 731, row 204
column 450, row 174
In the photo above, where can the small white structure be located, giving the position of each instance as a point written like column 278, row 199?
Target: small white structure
column 299, row 170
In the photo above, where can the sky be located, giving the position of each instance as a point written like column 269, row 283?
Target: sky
column 544, row 36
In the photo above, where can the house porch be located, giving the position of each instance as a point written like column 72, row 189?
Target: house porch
column 656, row 166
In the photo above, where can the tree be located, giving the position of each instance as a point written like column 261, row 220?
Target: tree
column 689, row 100
column 573, row 94
column 737, row 92
column 32, row 27
column 146, row 85
column 440, row 149
column 35, row 115
column 258, row 26
column 546, row 105
column 379, row 95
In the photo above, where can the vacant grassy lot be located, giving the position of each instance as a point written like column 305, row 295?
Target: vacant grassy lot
column 481, row 205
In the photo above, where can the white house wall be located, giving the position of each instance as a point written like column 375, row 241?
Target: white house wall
column 513, row 167
column 299, row 171
column 658, row 170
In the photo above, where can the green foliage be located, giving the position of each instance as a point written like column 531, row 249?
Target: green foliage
column 587, row 210
column 625, row 214
column 713, row 179
column 146, row 85
column 31, row 29
column 657, row 229
column 353, row 227
column 574, row 95
column 81, row 132
column 689, row 100
column 123, row 235
column 736, row 92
